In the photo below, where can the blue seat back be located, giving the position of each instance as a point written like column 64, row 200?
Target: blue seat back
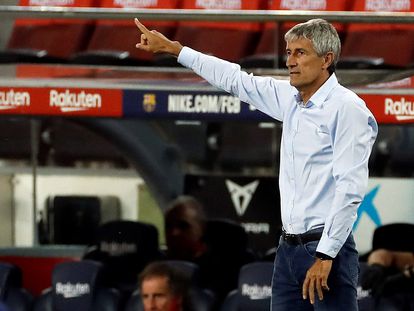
column 254, row 289
column 10, row 276
column 125, row 248
column 255, row 286
column 74, row 285
column 78, row 286
column 12, row 296
column 366, row 302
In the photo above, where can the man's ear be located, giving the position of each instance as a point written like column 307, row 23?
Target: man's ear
column 328, row 60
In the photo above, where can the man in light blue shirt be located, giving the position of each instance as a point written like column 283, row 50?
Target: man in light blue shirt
column 328, row 134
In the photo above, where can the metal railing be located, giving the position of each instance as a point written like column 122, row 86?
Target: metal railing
column 210, row 15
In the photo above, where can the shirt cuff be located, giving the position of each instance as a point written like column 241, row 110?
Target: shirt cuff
column 186, row 57
column 323, row 256
column 329, row 246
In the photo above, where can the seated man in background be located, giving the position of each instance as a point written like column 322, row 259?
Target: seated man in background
column 163, row 288
column 190, row 237
column 185, row 223
column 390, row 276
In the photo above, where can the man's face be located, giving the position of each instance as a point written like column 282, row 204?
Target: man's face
column 156, row 295
column 307, row 70
column 183, row 232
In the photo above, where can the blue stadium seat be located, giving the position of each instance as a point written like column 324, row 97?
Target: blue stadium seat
column 188, row 268
column 124, row 248
column 227, row 252
column 366, row 302
column 254, row 289
column 78, row 286
column 12, row 296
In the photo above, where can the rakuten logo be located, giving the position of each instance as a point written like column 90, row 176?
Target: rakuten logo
column 12, row 100
column 256, row 292
column 387, row 5
column 219, row 4
column 303, row 4
column 363, row 293
column 135, row 3
column 256, row 228
column 69, row 102
column 402, row 109
column 117, row 249
column 69, row 290
column 52, row 2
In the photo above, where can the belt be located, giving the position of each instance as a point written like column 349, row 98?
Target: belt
column 303, row 238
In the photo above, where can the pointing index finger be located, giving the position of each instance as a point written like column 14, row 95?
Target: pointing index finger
column 141, row 27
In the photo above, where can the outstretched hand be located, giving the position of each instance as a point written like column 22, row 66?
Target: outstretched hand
column 155, row 42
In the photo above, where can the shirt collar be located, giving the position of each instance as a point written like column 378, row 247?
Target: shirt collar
column 321, row 94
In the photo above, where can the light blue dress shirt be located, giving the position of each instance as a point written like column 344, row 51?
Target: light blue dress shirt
column 325, row 146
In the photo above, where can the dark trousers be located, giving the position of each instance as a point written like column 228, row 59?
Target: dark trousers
column 291, row 265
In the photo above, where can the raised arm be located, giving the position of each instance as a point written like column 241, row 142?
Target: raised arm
column 155, row 42
column 265, row 93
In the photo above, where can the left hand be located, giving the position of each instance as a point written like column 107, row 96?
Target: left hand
column 316, row 280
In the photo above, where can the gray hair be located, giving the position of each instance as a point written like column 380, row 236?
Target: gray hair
column 188, row 202
column 323, row 36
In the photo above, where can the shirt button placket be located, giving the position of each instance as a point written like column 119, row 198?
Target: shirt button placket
column 292, row 161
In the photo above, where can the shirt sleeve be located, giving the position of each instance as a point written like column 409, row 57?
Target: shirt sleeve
column 264, row 93
column 353, row 132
